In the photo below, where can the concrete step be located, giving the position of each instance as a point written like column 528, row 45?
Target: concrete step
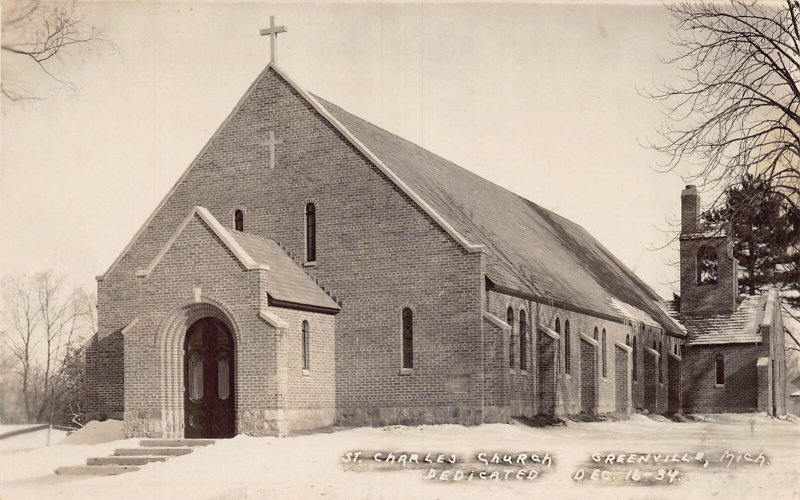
column 143, row 452
column 95, row 470
column 175, row 443
column 124, row 460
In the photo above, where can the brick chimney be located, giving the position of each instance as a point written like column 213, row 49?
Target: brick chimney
column 690, row 209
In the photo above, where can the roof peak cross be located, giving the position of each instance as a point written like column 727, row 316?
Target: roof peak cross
column 272, row 31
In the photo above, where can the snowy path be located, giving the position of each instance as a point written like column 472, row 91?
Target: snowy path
column 311, row 466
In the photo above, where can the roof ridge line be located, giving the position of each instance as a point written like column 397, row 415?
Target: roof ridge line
column 373, row 158
column 451, row 162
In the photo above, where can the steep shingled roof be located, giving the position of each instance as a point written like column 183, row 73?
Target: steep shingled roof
column 738, row 327
column 286, row 282
column 530, row 250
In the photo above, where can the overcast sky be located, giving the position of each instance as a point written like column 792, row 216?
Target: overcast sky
column 543, row 99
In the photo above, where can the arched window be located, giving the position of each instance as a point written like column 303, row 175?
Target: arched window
column 720, row 370
column 635, row 360
column 510, row 321
column 238, row 219
column 311, row 233
column 567, row 348
column 558, row 326
column 523, row 333
column 707, row 265
column 305, row 334
column 675, row 347
column 408, row 338
column 595, row 334
column 628, row 340
column 604, row 349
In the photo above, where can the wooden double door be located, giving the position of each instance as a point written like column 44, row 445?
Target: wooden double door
column 209, row 408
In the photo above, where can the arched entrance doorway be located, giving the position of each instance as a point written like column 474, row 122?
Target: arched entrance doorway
column 209, row 410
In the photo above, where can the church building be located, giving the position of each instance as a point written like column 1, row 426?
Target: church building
column 311, row 269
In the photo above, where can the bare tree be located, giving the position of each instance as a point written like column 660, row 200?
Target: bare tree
column 39, row 34
column 42, row 326
column 735, row 108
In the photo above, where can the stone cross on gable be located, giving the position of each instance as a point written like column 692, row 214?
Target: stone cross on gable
column 272, row 31
column 271, row 142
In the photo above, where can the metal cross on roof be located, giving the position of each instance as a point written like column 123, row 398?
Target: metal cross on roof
column 271, row 143
column 272, row 31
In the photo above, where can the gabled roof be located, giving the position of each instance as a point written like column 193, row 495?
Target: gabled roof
column 738, row 327
column 530, row 250
column 287, row 284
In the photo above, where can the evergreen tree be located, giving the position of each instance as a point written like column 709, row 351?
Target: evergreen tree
column 765, row 227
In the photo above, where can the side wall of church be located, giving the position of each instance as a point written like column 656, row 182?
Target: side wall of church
column 522, row 387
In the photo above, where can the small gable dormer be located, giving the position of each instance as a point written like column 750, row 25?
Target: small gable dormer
column 709, row 270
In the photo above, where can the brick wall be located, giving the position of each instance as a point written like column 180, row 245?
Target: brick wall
column 588, row 361
column 104, row 369
column 740, row 391
column 621, row 371
column 377, row 252
column 554, row 390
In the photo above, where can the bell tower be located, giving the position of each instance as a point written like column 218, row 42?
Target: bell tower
column 709, row 282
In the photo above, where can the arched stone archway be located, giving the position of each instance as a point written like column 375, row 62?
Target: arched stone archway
column 170, row 346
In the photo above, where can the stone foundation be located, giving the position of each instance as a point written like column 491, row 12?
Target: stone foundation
column 403, row 415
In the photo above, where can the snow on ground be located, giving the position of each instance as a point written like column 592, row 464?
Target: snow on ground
column 97, row 432
column 28, row 440
column 311, row 466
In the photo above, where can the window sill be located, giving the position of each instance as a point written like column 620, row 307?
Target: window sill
column 310, row 264
column 605, row 380
column 512, row 371
column 635, row 382
column 406, row 371
column 306, row 373
column 568, row 376
column 719, row 386
column 523, row 372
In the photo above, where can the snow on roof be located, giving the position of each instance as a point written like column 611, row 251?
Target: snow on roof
column 633, row 312
column 529, row 249
column 739, row 327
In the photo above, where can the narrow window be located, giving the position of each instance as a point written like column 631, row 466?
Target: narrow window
column 595, row 334
column 635, row 360
column 661, row 363
column 311, row 233
column 567, row 349
column 720, row 370
column 604, row 349
column 408, row 339
column 510, row 321
column 675, row 347
column 707, row 265
column 238, row 219
column 628, row 340
column 306, row 365
column 523, row 333
column 558, row 326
